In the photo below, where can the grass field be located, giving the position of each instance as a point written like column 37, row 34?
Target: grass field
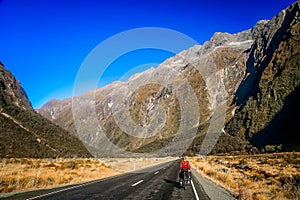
column 23, row 173
column 251, row 177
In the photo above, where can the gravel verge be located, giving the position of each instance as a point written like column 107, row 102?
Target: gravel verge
column 212, row 190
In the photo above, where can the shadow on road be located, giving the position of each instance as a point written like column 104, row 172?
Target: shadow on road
column 175, row 183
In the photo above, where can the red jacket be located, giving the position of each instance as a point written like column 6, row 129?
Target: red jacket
column 185, row 164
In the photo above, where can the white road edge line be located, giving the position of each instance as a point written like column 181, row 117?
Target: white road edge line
column 156, row 172
column 76, row 186
column 69, row 188
column 137, row 183
column 194, row 189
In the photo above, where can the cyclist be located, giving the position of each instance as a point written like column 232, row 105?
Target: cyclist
column 184, row 166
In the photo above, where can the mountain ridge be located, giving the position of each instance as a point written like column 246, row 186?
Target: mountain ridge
column 228, row 67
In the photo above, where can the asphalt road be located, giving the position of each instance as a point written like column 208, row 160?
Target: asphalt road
column 159, row 182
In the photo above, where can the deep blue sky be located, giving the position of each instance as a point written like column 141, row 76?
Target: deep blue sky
column 44, row 42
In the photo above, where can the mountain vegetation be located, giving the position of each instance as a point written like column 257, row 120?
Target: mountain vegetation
column 268, row 112
column 24, row 132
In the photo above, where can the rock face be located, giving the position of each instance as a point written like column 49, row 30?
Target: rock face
column 11, row 91
column 268, row 96
column 177, row 105
column 25, row 133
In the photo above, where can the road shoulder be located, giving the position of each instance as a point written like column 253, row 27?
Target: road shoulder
column 212, row 190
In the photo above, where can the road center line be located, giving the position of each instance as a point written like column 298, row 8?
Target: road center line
column 156, row 172
column 194, row 189
column 137, row 183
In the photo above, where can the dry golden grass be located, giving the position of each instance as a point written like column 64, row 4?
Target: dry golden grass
column 251, row 177
column 25, row 173
column 18, row 174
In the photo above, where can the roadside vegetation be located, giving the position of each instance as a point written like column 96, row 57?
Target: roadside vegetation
column 251, row 177
column 27, row 173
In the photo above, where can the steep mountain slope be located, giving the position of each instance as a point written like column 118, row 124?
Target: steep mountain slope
column 253, row 73
column 268, row 98
column 25, row 133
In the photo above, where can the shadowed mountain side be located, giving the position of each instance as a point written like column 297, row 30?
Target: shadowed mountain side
column 275, row 77
column 261, row 53
column 284, row 127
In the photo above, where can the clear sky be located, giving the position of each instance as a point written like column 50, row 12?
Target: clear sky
column 44, row 42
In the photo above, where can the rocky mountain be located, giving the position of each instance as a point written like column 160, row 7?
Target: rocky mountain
column 229, row 94
column 25, row 133
column 268, row 97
